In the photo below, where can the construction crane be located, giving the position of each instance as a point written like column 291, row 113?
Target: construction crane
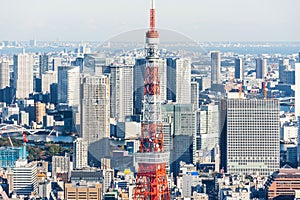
column 265, row 83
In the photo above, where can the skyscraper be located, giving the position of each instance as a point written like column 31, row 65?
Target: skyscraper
column 179, row 80
column 43, row 64
column 208, row 127
column 23, row 75
column 253, row 135
column 283, row 67
column 261, row 68
column 121, row 92
column 95, row 114
column 195, row 94
column 4, row 74
column 215, row 67
column 180, row 122
column 297, row 89
column 80, row 153
column 68, row 85
column 239, row 68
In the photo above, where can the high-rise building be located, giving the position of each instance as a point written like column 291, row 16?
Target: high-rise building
column 61, row 165
column 4, row 74
column 180, row 127
column 253, row 135
column 283, row 67
column 179, row 80
column 215, row 67
column 68, row 85
column 297, row 89
column 80, row 155
column 195, row 94
column 261, row 67
column 95, row 107
column 40, row 112
column 43, row 64
column 239, row 68
column 121, row 92
column 94, row 63
column 208, row 129
column 139, row 73
column 25, row 179
column 23, row 75
column 48, row 78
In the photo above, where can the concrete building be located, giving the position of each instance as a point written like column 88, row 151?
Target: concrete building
column 283, row 67
column 179, row 80
column 4, row 74
column 208, row 129
column 68, row 85
column 253, row 134
column 95, row 107
column 261, row 68
column 239, row 68
column 40, row 112
column 43, row 64
column 61, row 164
column 48, row 78
column 297, row 89
column 182, row 122
column 215, row 68
column 284, row 183
column 80, row 155
column 195, row 94
column 25, row 179
column 23, row 75
column 94, row 64
column 95, row 113
column 121, row 91
column 83, row 190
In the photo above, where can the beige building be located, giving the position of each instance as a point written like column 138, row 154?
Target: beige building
column 40, row 112
column 83, row 191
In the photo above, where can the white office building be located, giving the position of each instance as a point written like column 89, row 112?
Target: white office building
column 25, row 179
column 68, row 85
column 121, row 92
column 253, row 134
column 4, row 74
column 80, row 155
column 23, row 75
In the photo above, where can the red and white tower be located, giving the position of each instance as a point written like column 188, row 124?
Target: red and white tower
column 151, row 181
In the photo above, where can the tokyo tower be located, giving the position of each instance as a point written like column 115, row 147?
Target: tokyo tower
column 151, row 181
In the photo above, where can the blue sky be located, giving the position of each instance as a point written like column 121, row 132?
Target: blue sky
column 202, row 20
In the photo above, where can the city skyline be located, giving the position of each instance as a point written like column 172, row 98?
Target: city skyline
column 202, row 21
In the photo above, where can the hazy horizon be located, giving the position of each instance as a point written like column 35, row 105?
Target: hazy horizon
column 92, row 20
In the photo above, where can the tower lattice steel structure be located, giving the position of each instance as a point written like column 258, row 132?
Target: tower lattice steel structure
column 151, row 181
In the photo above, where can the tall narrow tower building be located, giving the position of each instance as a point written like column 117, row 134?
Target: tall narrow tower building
column 151, row 181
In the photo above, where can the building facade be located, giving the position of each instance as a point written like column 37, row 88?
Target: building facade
column 261, row 68
column 253, row 135
column 80, row 155
column 121, row 92
column 239, row 68
column 4, row 74
column 23, row 75
column 68, row 85
column 215, row 67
